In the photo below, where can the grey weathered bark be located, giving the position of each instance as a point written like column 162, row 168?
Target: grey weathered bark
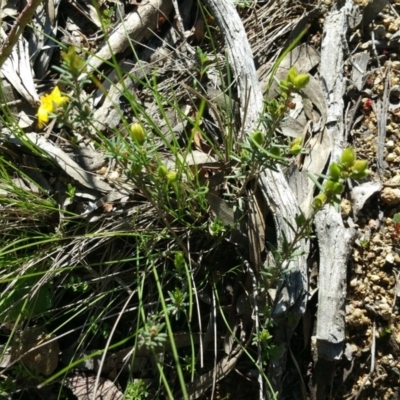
column 291, row 299
column 241, row 59
column 334, row 239
column 137, row 26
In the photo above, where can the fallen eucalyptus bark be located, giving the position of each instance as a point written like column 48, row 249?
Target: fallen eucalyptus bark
column 137, row 26
column 241, row 59
column 334, row 242
column 334, row 239
column 290, row 302
column 63, row 160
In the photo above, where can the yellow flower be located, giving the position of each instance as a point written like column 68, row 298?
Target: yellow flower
column 42, row 116
column 48, row 104
column 57, row 98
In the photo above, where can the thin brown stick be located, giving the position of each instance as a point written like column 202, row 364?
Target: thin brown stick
column 22, row 20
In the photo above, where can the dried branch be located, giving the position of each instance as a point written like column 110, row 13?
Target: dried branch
column 23, row 19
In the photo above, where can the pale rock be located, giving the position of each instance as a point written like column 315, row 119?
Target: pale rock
column 390, row 196
column 389, row 144
column 389, row 258
column 395, row 180
column 390, row 157
column 345, row 206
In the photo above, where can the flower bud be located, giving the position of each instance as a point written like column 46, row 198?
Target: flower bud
column 172, row 177
column 137, row 134
column 162, row 171
column 360, row 166
column 345, row 175
column 328, row 187
column 73, row 61
column 334, row 172
column 179, row 261
column 298, row 140
column 359, row 175
column 257, row 137
column 292, row 75
column 337, row 188
column 333, row 188
column 348, row 157
column 301, row 81
column 244, row 155
column 295, row 149
column 319, row 201
column 275, row 151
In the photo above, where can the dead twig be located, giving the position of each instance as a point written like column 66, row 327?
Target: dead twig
column 22, row 20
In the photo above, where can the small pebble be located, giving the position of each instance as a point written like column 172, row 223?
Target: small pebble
column 390, row 157
column 345, row 206
column 390, row 196
column 114, row 175
column 375, row 278
column 390, row 258
column 390, row 144
column 354, row 282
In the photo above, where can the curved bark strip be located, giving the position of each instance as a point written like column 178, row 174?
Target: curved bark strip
column 291, row 298
column 137, row 26
column 240, row 57
column 334, row 239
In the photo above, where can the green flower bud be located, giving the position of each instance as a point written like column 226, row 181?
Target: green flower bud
column 74, row 63
column 337, row 188
column 319, row 201
column 358, row 176
column 162, row 171
column 179, row 261
column 257, row 137
column 292, row 75
column 360, row 166
column 172, row 177
column 138, row 134
column 244, row 155
column 333, row 188
column 295, row 149
column 348, row 157
column 275, row 151
column 334, row 171
column 328, row 187
column 298, row 140
column 301, row 81
column 345, row 175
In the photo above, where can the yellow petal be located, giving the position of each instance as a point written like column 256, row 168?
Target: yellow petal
column 57, row 98
column 47, row 103
column 42, row 116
